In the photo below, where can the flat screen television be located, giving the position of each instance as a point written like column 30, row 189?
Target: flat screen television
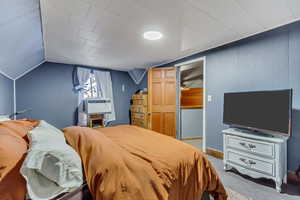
column 264, row 111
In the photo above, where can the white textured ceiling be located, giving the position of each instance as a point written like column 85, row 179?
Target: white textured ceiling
column 108, row 33
column 21, row 40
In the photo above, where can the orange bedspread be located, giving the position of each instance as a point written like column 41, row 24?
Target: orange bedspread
column 131, row 163
column 13, row 149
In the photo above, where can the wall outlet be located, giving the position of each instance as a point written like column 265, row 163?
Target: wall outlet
column 209, row 98
column 123, row 88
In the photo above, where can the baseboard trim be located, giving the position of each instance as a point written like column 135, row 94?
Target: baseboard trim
column 215, row 153
column 194, row 138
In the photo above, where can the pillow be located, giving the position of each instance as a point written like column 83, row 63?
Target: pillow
column 4, row 118
column 12, row 153
column 51, row 167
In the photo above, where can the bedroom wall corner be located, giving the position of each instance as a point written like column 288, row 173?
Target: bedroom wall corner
column 48, row 91
column 144, row 83
column 294, row 82
column 15, row 98
column 7, row 95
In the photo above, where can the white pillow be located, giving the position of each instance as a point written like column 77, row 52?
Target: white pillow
column 51, row 166
column 4, row 118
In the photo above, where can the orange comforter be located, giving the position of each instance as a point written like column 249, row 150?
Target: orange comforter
column 13, row 149
column 131, row 163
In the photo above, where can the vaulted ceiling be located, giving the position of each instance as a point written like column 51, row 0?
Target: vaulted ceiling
column 21, row 40
column 108, row 33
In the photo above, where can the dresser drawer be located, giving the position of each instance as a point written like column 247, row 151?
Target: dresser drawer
column 252, row 163
column 255, row 147
column 140, row 102
column 139, row 122
column 140, row 116
column 139, row 96
column 139, row 109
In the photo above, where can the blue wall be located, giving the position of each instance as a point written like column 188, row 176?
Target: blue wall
column 21, row 40
column 48, row 90
column 267, row 61
column 191, row 123
column 6, row 95
column 144, row 83
column 122, row 99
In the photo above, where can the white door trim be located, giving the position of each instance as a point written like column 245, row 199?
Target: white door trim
column 190, row 61
column 204, row 105
column 203, row 58
column 15, row 100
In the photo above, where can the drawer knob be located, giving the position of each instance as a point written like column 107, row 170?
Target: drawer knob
column 249, row 162
column 243, row 143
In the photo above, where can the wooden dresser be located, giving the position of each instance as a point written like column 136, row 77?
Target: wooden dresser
column 139, row 110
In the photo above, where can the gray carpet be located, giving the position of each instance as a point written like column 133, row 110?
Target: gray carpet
column 252, row 188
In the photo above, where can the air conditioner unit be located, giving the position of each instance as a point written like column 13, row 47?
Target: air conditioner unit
column 97, row 106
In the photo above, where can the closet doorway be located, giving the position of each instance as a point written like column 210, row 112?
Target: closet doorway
column 191, row 123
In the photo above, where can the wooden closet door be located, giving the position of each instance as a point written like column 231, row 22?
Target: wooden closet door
column 162, row 100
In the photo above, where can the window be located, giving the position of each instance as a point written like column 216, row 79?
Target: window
column 90, row 87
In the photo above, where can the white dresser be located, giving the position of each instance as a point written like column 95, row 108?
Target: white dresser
column 256, row 155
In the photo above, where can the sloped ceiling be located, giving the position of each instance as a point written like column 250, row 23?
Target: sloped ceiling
column 137, row 75
column 21, row 41
column 108, row 33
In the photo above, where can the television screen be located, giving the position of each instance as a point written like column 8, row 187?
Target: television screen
column 268, row 111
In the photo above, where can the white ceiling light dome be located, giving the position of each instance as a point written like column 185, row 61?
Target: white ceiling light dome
column 153, row 35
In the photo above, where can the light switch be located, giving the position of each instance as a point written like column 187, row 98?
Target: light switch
column 209, row 98
column 123, row 88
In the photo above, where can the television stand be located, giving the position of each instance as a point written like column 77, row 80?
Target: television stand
column 256, row 155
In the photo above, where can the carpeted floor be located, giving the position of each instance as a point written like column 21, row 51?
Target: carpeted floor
column 252, row 189
column 233, row 195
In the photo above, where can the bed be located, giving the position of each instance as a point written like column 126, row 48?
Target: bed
column 128, row 162
column 81, row 193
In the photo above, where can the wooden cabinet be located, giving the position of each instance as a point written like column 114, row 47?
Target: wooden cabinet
column 191, row 98
column 95, row 120
column 139, row 110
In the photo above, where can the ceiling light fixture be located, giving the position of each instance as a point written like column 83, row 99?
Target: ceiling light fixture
column 153, row 35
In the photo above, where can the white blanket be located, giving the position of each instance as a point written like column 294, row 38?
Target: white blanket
column 51, row 166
